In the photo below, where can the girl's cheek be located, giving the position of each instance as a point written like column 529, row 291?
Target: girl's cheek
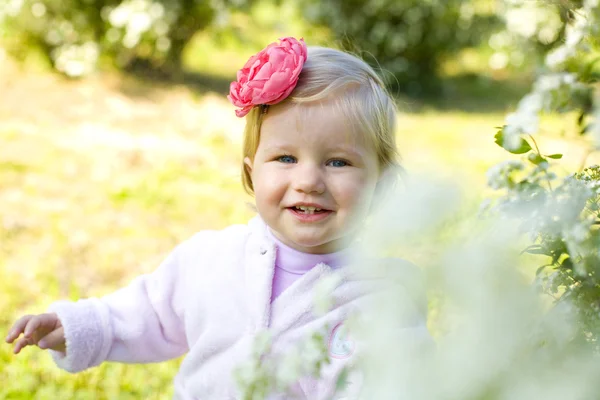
column 352, row 186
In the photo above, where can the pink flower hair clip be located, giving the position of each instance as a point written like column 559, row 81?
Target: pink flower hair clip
column 269, row 76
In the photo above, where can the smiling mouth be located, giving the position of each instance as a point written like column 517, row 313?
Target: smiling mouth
column 309, row 210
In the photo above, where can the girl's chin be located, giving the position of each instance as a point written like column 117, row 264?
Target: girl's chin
column 315, row 247
column 307, row 246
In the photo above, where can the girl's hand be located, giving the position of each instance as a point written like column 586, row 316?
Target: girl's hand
column 44, row 330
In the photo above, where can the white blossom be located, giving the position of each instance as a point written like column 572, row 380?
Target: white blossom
column 591, row 4
column 559, row 56
column 549, row 82
column 532, row 102
column 137, row 18
column 290, row 368
column 522, row 121
column 11, row 7
column 522, row 20
column 322, row 300
column 76, row 60
column 498, row 176
column 578, row 232
column 529, row 19
column 312, row 352
column 262, row 343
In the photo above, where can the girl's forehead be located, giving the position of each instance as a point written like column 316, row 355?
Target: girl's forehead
column 320, row 122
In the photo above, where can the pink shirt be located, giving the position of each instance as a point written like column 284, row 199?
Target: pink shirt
column 291, row 264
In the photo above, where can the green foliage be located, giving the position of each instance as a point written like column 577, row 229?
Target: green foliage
column 74, row 35
column 409, row 39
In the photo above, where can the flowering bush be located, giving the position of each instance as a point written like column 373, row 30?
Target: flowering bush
column 560, row 215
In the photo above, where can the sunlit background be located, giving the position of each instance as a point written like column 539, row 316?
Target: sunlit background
column 117, row 140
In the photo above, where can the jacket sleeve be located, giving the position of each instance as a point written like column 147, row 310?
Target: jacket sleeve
column 140, row 323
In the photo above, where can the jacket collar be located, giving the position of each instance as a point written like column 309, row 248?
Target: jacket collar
column 259, row 266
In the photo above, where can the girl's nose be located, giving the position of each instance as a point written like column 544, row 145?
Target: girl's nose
column 308, row 178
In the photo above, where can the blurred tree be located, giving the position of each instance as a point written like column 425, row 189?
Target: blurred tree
column 408, row 38
column 74, row 35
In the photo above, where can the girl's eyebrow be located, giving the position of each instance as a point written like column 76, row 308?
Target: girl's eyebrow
column 351, row 150
column 277, row 147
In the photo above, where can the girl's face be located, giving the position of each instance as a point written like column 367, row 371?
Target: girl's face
column 309, row 157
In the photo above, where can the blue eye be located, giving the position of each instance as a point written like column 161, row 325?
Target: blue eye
column 338, row 163
column 286, row 159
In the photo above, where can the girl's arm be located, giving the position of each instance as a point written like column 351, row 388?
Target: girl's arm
column 140, row 323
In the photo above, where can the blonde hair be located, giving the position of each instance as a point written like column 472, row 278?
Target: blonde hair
column 357, row 91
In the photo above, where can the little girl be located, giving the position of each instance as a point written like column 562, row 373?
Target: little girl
column 318, row 146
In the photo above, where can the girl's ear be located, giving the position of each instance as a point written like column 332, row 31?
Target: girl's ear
column 248, row 164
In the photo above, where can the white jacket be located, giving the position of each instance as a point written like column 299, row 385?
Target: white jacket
column 210, row 298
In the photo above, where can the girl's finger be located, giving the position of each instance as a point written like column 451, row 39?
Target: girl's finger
column 33, row 324
column 42, row 322
column 21, row 343
column 54, row 340
column 18, row 327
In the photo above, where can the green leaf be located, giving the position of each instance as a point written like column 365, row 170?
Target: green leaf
column 540, row 269
column 567, row 263
column 555, row 156
column 586, row 129
column 535, row 158
column 580, row 118
column 523, row 147
column 587, row 73
column 499, row 136
column 535, row 249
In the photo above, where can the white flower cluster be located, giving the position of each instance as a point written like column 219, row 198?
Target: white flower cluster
column 575, row 32
column 532, row 19
column 561, row 215
column 270, row 371
column 76, row 60
column 10, row 8
column 499, row 341
column 323, row 290
column 132, row 19
column 499, row 176
column 525, row 120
